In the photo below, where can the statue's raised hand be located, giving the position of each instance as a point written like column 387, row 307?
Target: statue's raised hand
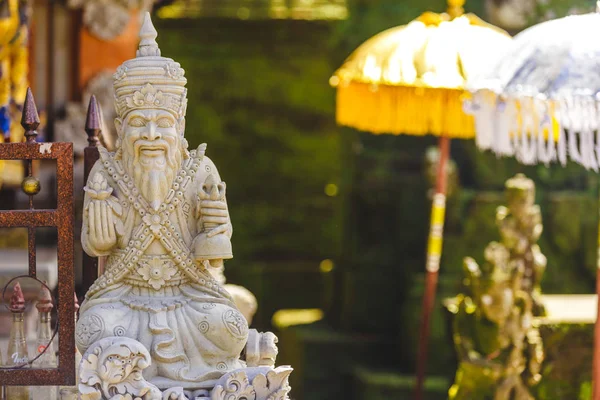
column 213, row 207
column 102, row 224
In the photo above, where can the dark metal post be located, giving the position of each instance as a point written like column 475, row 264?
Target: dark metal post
column 93, row 128
column 30, row 121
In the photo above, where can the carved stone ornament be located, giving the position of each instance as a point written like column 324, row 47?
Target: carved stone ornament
column 112, row 369
column 107, row 19
column 158, row 211
column 261, row 349
column 260, row 383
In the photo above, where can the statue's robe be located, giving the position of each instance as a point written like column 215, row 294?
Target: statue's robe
column 168, row 302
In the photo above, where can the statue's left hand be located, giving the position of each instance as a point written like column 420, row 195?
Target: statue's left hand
column 215, row 213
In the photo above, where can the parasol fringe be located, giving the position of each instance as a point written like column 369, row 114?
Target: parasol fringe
column 547, row 151
column 562, row 146
column 574, row 153
column 587, row 137
column 526, row 149
column 504, row 145
column 482, row 104
column 538, row 131
column 596, row 124
column 404, row 110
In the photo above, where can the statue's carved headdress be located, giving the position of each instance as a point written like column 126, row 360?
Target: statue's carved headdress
column 149, row 80
column 520, row 187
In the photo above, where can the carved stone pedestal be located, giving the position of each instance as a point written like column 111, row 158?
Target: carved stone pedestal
column 112, row 368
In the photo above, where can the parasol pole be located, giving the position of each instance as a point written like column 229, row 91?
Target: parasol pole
column 596, row 363
column 434, row 243
column 432, row 266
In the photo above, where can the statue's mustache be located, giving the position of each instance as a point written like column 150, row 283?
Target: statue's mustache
column 154, row 144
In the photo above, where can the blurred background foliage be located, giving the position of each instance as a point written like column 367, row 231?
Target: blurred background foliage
column 302, row 190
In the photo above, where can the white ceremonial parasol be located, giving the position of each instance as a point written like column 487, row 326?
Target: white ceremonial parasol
column 541, row 101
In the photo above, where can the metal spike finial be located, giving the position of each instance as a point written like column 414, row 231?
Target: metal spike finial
column 148, row 34
column 30, row 119
column 93, row 122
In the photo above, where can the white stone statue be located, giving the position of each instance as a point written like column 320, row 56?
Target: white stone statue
column 158, row 211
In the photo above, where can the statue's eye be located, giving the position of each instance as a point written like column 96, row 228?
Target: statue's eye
column 137, row 122
column 164, row 123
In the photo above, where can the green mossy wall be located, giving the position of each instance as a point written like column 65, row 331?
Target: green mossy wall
column 566, row 373
column 259, row 96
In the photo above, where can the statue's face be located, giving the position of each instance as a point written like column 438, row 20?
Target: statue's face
column 151, row 150
column 150, row 135
column 519, row 204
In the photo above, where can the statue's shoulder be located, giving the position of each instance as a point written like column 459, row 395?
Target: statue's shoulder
column 99, row 165
column 105, row 165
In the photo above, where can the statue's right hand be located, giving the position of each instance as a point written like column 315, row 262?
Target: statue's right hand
column 101, row 225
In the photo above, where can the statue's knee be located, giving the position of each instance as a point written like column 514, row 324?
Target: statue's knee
column 223, row 324
column 99, row 322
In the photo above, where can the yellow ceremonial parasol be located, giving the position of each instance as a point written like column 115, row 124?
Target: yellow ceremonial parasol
column 410, row 80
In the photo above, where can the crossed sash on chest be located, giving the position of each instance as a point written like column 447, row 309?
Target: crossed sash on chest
column 155, row 225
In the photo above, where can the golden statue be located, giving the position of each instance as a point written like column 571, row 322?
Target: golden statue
column 14, row 66
column 520, row 227
column 499, row 349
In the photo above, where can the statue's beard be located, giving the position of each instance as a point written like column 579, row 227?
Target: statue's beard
column 153, row 176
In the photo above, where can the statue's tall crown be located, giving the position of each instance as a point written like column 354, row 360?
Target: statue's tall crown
column 149, row 80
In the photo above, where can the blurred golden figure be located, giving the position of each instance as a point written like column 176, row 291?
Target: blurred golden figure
column 14, row 67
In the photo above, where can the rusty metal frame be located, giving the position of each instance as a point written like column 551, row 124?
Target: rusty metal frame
column 62, row 219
